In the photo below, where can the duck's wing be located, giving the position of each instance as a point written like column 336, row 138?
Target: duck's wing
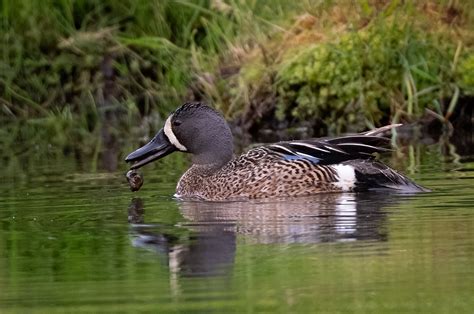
column 334, row 150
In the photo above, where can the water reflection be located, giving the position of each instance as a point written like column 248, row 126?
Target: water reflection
column 190, row 250
column 206, row 244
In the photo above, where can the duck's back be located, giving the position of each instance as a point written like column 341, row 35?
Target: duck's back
column 297, row 168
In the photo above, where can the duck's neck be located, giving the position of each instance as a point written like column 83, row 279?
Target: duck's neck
column 210, row 163
column 214, row 154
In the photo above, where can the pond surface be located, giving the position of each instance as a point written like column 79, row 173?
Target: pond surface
column 73, row 240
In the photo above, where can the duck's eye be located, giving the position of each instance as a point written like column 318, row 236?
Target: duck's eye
column 177, row 123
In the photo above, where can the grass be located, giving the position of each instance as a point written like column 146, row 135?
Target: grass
column 362, row 64
column 73, row 60
column 68, row 67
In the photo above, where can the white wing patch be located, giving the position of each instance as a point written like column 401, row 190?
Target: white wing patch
column 346, row 176
column 171, row 137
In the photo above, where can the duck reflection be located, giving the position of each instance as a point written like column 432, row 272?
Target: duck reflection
column 205, row 244
column 321, row 218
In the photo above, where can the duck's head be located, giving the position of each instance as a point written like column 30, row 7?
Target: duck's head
column 193, row 128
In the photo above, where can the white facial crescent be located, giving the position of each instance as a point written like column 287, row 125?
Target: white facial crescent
column 171, row 137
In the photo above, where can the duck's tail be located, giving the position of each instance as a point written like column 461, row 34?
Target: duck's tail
column 372, row 175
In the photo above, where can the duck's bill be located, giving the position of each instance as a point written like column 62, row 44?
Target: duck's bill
column 157, row 148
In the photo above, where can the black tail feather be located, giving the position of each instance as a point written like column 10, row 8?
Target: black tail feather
column 375, row 175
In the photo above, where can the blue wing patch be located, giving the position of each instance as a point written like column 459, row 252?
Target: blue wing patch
column 313, row 159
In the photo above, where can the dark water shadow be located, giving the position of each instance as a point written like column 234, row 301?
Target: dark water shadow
column 205, row 245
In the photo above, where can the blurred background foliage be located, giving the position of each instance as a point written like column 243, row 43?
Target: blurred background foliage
column 72, row 71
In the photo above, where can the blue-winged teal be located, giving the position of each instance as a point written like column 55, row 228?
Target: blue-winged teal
column 293, row 168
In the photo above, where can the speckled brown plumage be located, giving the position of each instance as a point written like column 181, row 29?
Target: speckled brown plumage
column 257, row 174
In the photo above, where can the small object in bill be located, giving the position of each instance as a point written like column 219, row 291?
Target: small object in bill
column 135, row 180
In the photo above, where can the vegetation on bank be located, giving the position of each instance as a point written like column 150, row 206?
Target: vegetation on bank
column 71, row 71
column 347, row 68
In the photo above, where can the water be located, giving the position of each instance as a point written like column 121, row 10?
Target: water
column 72, row 240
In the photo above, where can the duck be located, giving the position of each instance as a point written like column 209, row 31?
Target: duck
column 283, row 169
